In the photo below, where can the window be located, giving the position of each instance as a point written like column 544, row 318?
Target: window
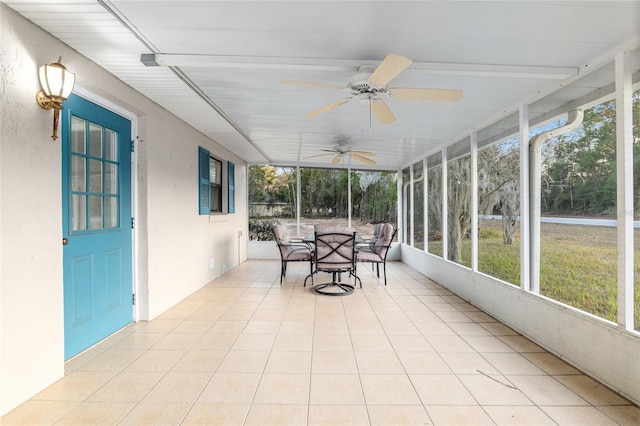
column 215, row 185
column 272, row 197
column 418, row 205
column 499, row 203
column 498, row 199
column 578, row 262
column 210, row 192
column 458, row 169
column 434, row 202
column 407, row 207
column 231, row 187
column 374, row 199
column 95, row 169
column 324, row 198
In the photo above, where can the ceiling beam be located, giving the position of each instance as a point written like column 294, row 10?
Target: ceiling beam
column 320, row 64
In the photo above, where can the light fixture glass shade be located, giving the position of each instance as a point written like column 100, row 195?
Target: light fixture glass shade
column 57, row 84
column 56, row 80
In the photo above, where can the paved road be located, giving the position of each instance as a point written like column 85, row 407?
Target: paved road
column 574, row 221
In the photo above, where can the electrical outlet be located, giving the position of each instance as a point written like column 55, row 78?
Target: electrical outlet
column 212, row 263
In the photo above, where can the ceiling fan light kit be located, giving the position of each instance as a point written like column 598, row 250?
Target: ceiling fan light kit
column 369, row 86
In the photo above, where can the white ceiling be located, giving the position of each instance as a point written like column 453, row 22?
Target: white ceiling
column 224, row 62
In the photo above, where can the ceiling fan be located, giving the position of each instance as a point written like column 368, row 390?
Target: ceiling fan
column 343, row 150
column 369, row 87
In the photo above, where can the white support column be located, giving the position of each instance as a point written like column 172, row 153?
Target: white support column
column 399, row 208
column 574, row 121
column 474, row 201
column 299, row 203
column 445, row 206
column 349, row 194
column 525, row 260
column 624, row 156
column 413, row 207
column 425, row 204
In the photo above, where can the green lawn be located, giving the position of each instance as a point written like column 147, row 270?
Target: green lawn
column 578, row 265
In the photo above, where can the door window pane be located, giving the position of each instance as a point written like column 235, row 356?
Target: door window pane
column 111, row 212
column 95, row 212
column 78, row 212
column 95, row 176
column 111, row 178
column 111, row 142
column 95, row 140
column 78, row 140
column 78, row 173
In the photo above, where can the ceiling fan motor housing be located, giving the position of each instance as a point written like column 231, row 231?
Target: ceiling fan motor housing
column 360, row 83
column 342, row 147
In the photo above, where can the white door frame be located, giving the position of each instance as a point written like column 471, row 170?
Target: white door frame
column 141, row 302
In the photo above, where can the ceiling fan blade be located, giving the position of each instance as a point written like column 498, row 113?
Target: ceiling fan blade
column 369, row 153
column 312, row 84
column 425, row 94
column 319, row 155
column 328, row 107
column 389, row 69
column 335, row 160
column 382, row 112
column 362, row 159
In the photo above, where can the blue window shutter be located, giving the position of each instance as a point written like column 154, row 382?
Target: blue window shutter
column 231, row 180
column 204, row 189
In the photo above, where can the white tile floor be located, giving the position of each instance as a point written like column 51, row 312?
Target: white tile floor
column 246, row 350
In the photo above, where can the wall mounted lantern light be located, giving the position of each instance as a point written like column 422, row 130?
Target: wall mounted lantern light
column 57, row 83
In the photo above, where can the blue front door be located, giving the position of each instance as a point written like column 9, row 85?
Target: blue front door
column 96, row 202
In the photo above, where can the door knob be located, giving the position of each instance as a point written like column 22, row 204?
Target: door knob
column 65, row 241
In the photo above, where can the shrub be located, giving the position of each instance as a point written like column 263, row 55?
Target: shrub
column 261, row 229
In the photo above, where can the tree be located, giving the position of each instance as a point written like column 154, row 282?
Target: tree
column 510, row 209
column 579, row 168
column 458, row 205
column 324, row 192
column 434, row 201
column 364, row 180
column 499, row 184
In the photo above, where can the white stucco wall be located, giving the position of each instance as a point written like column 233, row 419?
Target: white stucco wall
column 596, row 347
column 31, row 316
column 174, row 244
column 181, row 242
